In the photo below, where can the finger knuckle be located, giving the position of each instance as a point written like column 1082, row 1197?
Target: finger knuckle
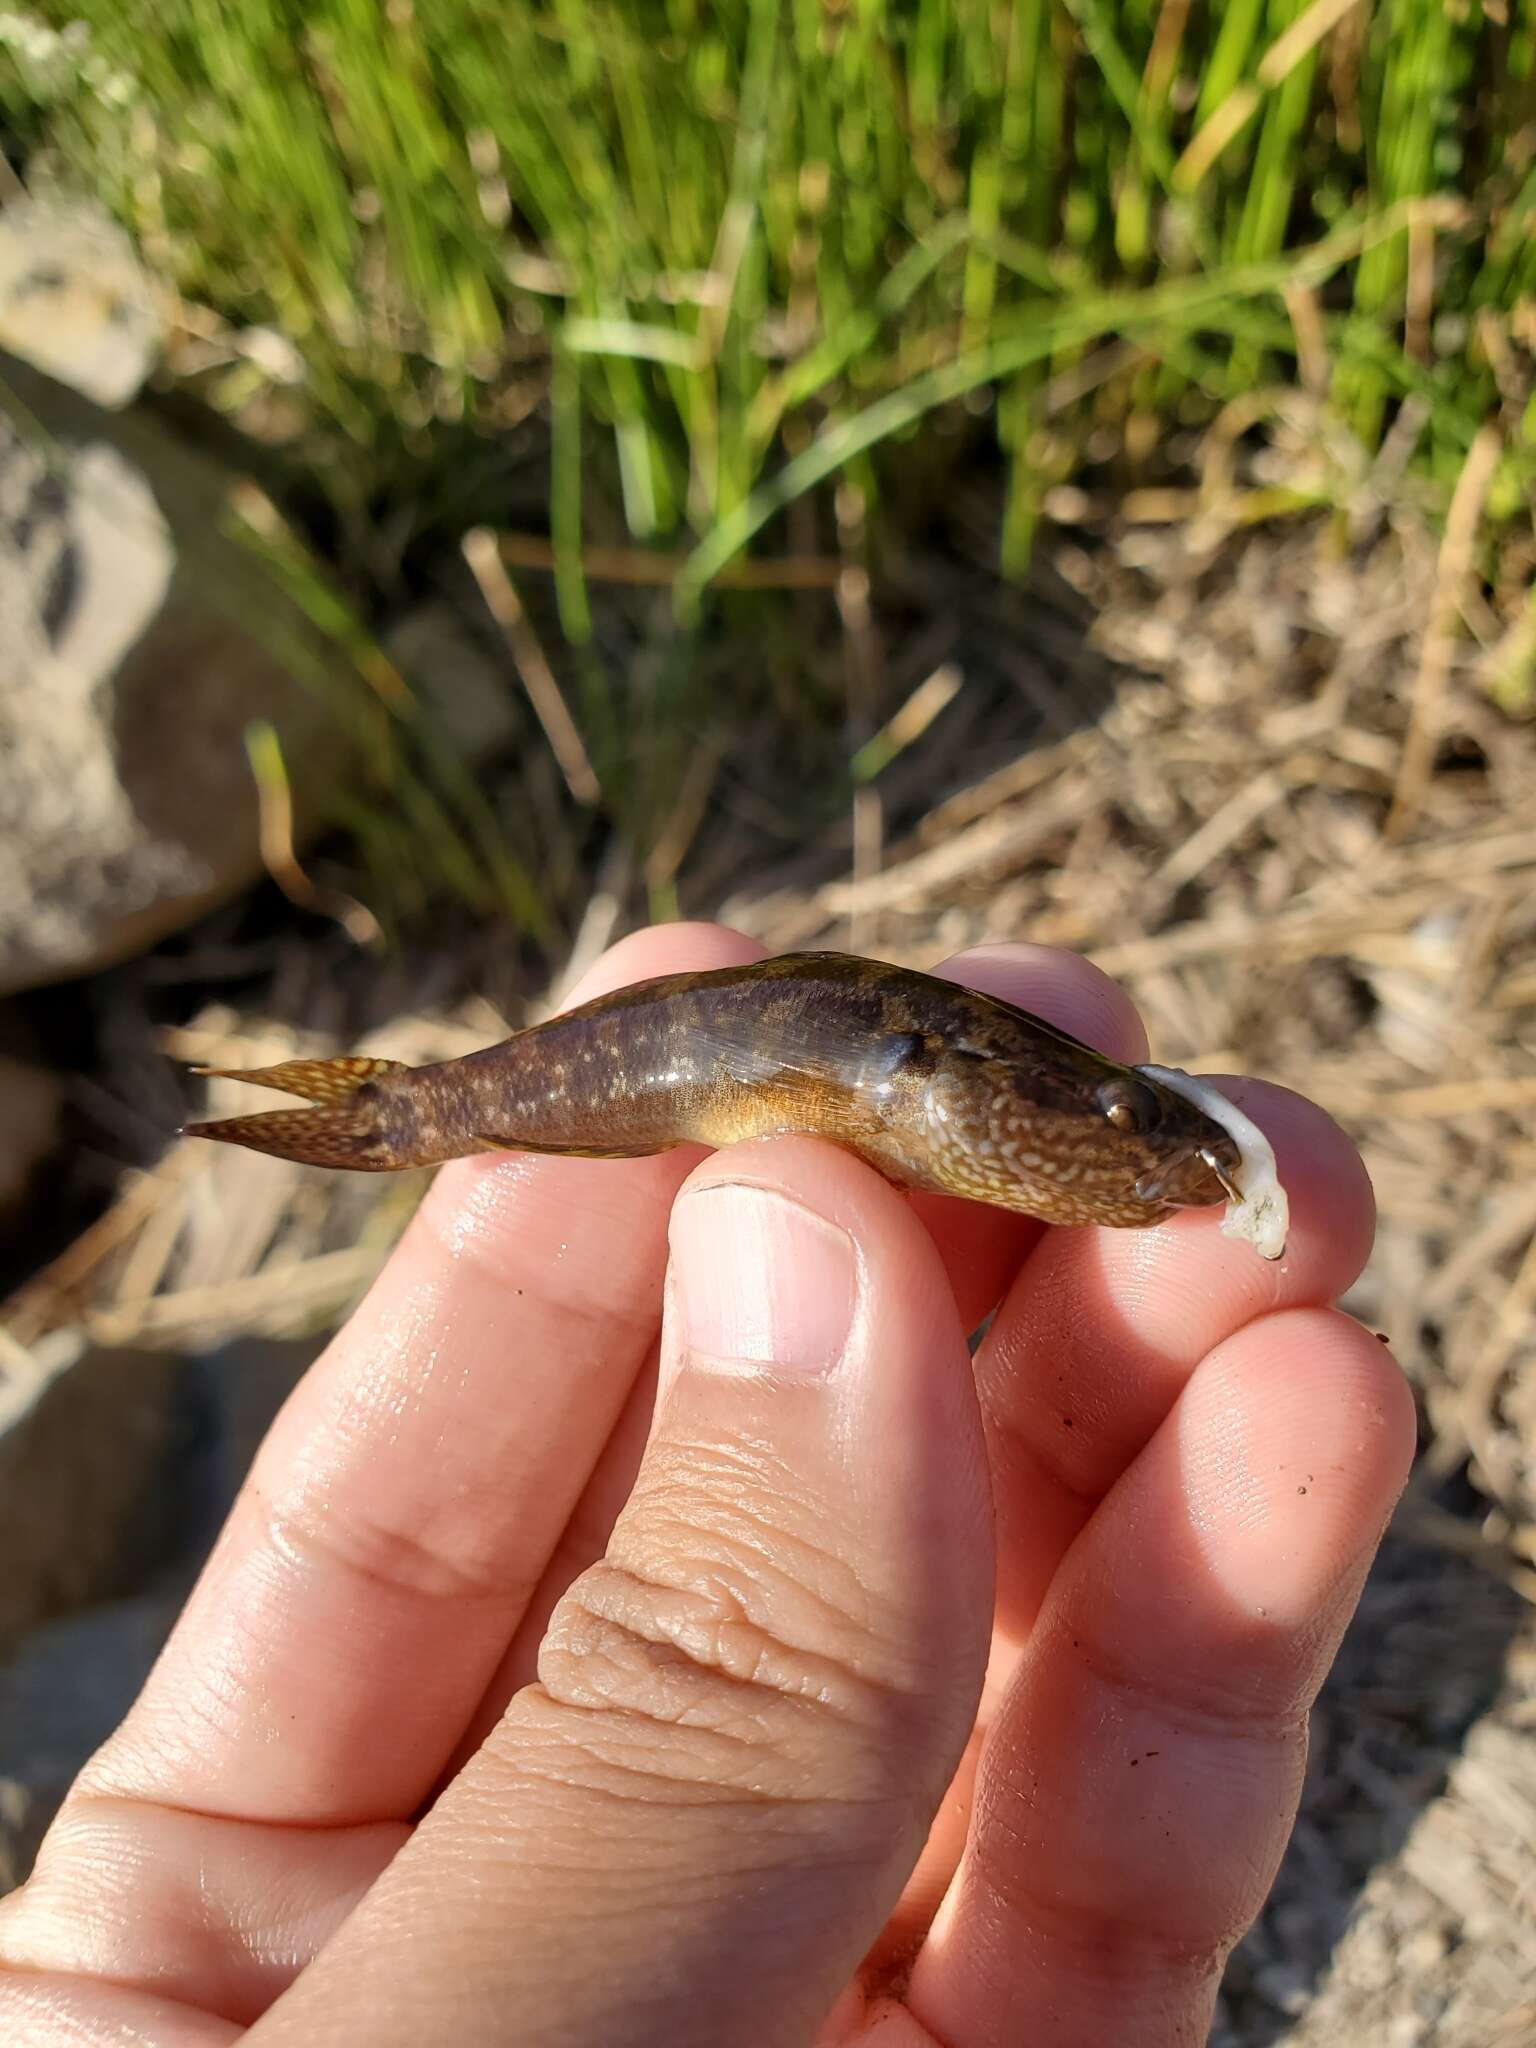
column 655, row 1644
column 1255, row 1701
column 684, row 1674
column 736, row 1518
column 441, row 1560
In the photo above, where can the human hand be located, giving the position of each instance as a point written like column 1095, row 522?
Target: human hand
column 865, row 1690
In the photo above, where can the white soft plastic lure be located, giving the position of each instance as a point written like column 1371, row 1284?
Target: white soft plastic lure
column 1257, row 1209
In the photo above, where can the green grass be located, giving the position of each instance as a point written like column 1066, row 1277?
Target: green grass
column 740, row 251
column 769, row 217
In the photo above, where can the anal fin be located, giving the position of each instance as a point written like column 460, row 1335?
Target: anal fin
column 576, row 1151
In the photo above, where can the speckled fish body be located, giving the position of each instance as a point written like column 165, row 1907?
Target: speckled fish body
column 939, row 1086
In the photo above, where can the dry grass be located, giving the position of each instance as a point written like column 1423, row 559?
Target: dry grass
column 1268, row 791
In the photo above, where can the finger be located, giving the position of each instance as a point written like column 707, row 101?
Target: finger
column 47, row 2012
column 143, row 1901
column 1103, row 1328
column 983, row 1247
column 408, row 1498
column 692, row 1828
column 582, row 1542
column 368, row 1578
column 1100, row 1332
column 1140, row 1781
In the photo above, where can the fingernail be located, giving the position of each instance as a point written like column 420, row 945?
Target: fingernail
column 759, row 1281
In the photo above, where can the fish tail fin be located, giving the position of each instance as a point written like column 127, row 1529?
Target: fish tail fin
column 316, row 1080
column 310, row 1137
column 345, row 1129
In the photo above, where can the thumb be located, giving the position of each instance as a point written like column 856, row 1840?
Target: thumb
column 695, row 1825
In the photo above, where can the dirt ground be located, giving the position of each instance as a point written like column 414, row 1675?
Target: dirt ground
column 1255, row 772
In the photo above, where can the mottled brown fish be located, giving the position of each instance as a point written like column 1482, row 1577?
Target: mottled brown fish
column 938, row 1086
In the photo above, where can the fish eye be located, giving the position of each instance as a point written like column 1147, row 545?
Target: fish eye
column 1130, row 1106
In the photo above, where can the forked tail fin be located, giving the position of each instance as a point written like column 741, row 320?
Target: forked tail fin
column 343, row 1131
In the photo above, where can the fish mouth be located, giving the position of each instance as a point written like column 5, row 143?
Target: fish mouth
column 1196, row 1177
column 1229, row 1187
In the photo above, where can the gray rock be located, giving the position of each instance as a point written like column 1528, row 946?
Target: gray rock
column 60, row 1698
column 82, row 1438
column 142, row 638
column 74, row 299
column 117, row 1470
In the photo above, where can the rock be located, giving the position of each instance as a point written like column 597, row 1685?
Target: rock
column 74, row 299
column 468, row 696
column 117, row 1470
column 31, row 1103
column 60, row 1698
column 142, row 638
column 82, row 1439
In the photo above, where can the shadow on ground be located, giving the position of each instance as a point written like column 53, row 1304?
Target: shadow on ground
column 1424, row 1660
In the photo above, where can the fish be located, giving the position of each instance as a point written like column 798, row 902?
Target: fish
column 940, row 1087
